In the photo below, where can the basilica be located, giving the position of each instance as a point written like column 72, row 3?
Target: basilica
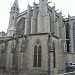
column 39, row 41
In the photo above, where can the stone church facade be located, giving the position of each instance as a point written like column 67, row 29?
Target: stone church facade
column 39, row 41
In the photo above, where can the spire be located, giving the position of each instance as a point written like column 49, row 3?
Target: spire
column 28, row 3
column 15, row 6
column 13, row 14
column 68, row 14
column 69, row 17
column 28, row 7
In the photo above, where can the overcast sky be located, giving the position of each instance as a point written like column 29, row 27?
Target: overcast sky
column 5, row 6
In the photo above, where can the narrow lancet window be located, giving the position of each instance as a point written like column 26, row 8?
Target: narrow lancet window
column 37, row 56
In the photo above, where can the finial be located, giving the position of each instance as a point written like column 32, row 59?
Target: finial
column 28, row 2
column 29, row 6
column 61, row 12
column 54, row 4
column 68, row 15
column 34, row 1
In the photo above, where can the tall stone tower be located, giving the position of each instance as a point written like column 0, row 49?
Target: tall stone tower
column 12, row 21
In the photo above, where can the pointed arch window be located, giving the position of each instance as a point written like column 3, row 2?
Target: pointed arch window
column 37, row 56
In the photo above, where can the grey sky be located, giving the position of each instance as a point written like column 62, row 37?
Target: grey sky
column 5, row 6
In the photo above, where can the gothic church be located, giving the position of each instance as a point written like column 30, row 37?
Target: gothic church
column 39, row 41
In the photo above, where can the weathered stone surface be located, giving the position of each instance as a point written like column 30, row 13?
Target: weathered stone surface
column 36, row 36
